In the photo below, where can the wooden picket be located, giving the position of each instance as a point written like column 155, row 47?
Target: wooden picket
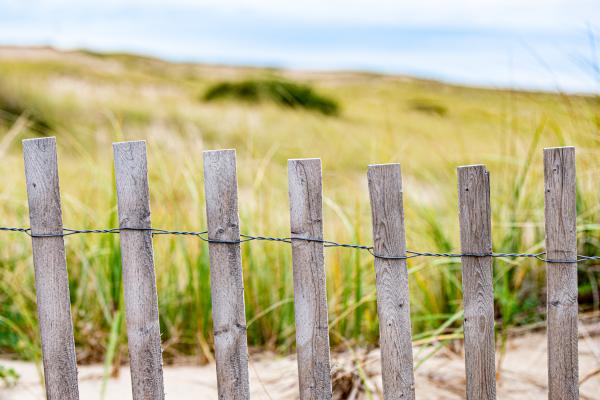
column 391, row 278
column 561, row 244
column 51, row 279
column 308, row 263
column 139, row 282
column 227, row 285
column 310, row 293
column 477, row 281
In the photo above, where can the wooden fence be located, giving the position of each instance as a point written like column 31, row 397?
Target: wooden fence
column 306, row 220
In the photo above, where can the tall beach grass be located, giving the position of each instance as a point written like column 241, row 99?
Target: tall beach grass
column 92, row 101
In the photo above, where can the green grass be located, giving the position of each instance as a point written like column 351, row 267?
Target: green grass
column 429, row 127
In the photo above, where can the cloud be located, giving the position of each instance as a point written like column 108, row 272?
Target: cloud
column 550, row 15
column 488, row 42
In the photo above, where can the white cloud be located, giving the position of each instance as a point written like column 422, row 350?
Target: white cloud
column 507, row 14
column 483, row 42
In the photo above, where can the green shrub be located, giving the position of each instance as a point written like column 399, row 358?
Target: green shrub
column 286, row 93
column 428, row 106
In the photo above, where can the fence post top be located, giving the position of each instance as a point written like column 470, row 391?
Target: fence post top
column 136, row 142
column 292, row 161
column 471, row 166
column 218, row 151
column 38, row 140
column 558, row 148
column 386, row 165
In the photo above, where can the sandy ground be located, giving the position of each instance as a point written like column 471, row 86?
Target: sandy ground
column 521, row 374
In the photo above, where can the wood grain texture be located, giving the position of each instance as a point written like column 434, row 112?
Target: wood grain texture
column 393, row 302
column 561, row 244
column 310, row 292
column 477, row 281
column 51, row 279
column 226, row 280
column 139, row 281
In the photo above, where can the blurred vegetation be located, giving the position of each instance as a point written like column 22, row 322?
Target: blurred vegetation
column 8, row 376
column 14, row 104
column 90, row 101
column 429, row 107
column 286, row 93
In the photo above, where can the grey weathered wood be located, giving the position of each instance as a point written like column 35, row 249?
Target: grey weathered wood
column 226, row 280
column 477, row 281
column 561, row 244
column 385, row 187
column 310, row 293
column 139, row 281
column 51, row 279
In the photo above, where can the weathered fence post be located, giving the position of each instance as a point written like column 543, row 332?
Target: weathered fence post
column 561, row 244
column 310, row 293
column 51, row 278
column 477, row 281
column 139, row 281
column 393, row 302
column 226, row 280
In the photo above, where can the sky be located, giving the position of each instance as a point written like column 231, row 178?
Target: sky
column 531, row 44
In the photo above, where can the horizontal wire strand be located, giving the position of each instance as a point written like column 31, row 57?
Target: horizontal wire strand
column 203, row 235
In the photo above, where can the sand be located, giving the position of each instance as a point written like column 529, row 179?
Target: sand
column 521, row 374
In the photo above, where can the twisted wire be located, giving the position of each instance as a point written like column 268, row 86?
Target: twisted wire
column 203, row 235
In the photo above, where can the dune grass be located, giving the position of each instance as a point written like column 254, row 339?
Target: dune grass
column 429, row 127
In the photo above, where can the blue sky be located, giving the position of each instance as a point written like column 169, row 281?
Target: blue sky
column 500, row 43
